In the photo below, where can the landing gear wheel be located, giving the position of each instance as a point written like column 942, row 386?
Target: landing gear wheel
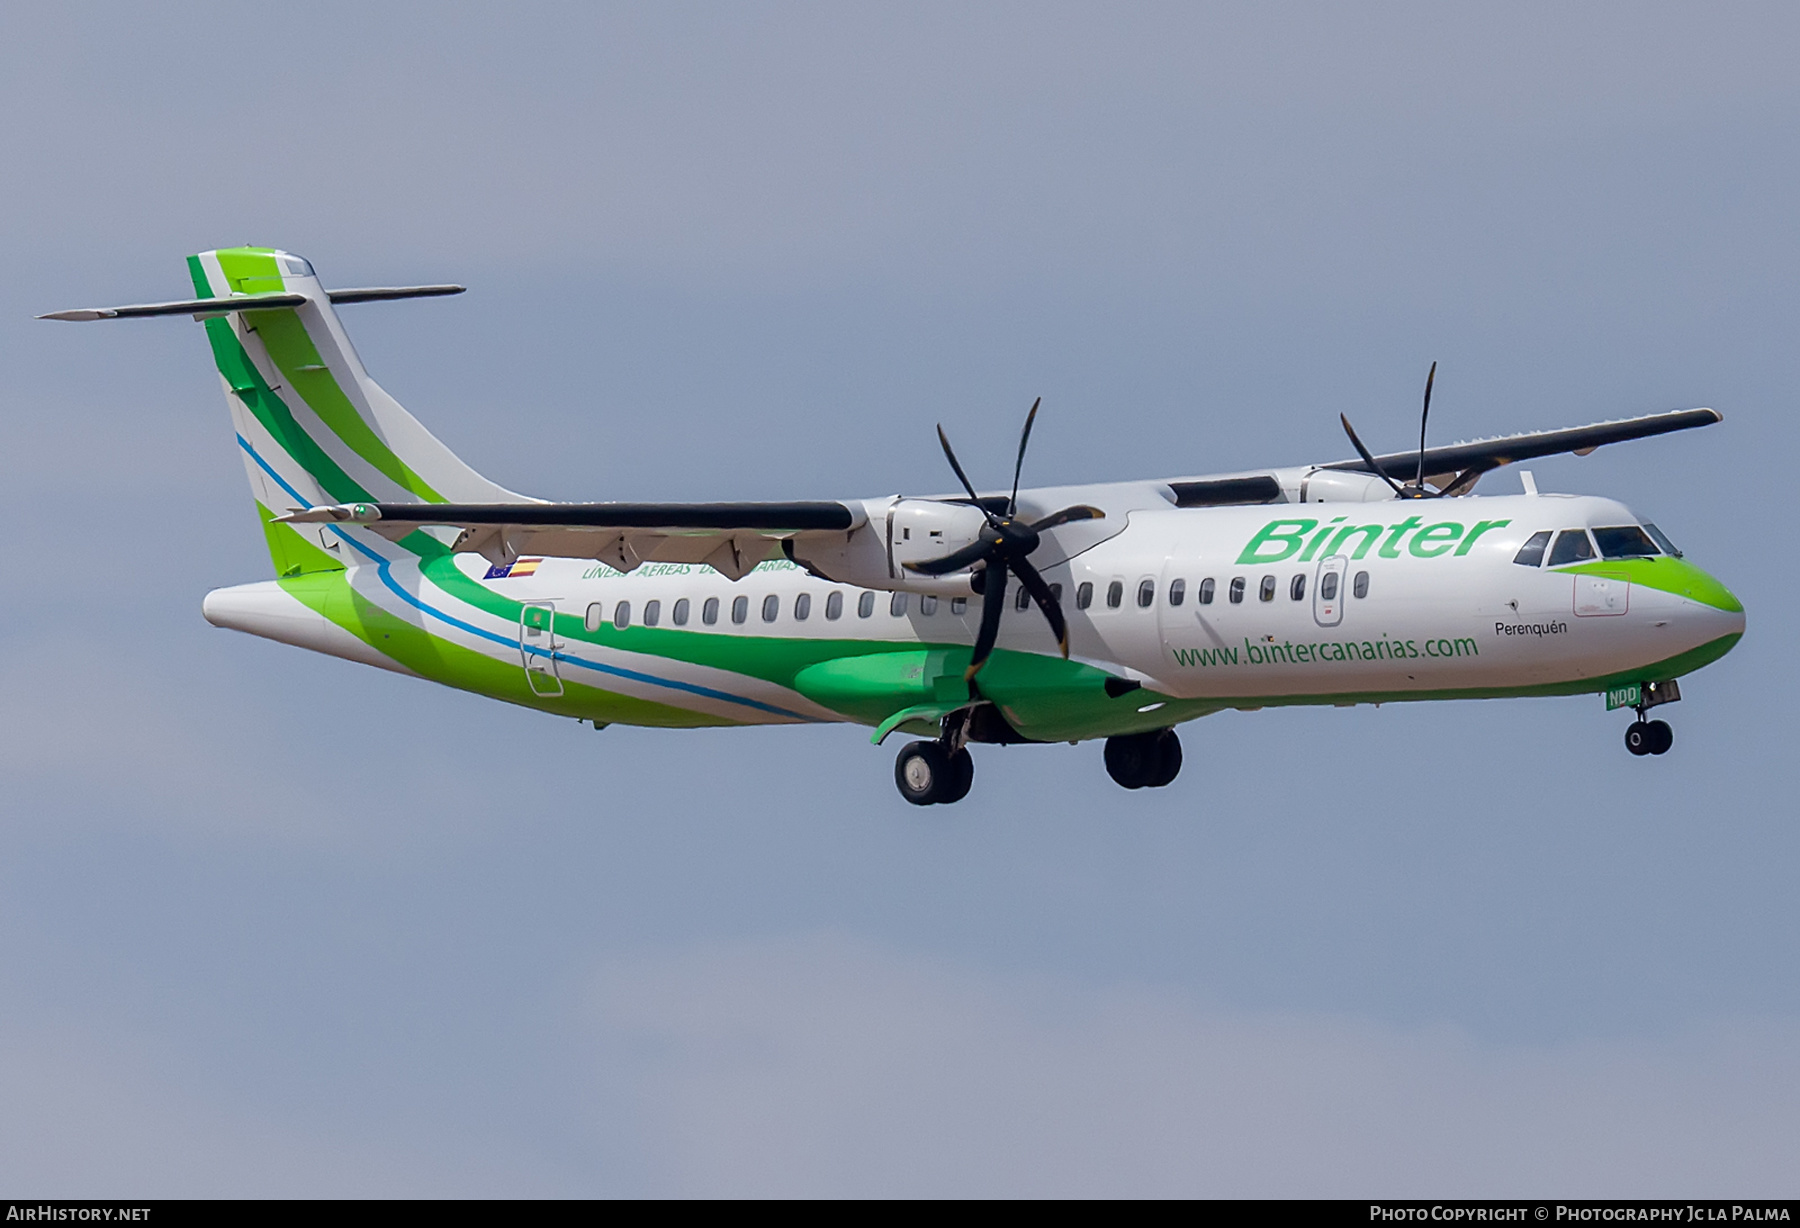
column 1661, row 737
column 927, row 774
column 1168, row 760
column 1144, row 760
column 1637, row 737
column 962, row 769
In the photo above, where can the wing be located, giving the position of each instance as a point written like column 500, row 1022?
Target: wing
column 1460, row 464
column 730, row 537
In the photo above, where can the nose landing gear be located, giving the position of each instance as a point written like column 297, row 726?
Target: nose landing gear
column 1650, row 737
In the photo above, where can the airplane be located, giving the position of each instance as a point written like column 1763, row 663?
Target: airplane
column 1138, row 606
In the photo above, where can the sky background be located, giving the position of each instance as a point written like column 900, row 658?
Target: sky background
column 272, row 923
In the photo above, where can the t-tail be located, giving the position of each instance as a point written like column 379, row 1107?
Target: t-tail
column 312, row 425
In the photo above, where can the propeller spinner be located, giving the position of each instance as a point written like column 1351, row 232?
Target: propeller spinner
column 1004, row 546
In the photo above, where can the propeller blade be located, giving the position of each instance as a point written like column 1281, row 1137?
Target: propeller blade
column 1068, row 515
column 1464, row 482
column 955, row 561
column 993, row 604
column 1046, row 601
column 1012, row 502
column 1419, row 481
column 1364, row 453
column 950, row 455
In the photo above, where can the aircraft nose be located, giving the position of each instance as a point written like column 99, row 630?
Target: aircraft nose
column 1714, row 610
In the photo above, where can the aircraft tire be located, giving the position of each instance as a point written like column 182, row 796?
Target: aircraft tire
column 1637, row 737
column 1661, row 737
column 1168, row 759
column 924, row 773
column 962, row 776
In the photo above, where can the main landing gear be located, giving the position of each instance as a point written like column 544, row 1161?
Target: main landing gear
column 930, row 773
column 1144, row 760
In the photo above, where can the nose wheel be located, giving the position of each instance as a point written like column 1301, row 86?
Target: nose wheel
column 1649, row 737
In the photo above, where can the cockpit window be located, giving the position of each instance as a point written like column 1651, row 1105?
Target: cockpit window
column 1625, row 542
column 1572, row 546
column 1532, row 552
column 1662, row 539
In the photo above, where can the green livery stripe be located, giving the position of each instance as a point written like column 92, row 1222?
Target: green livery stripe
column 298, row 359
column 272, row 414
column 292, row 552
column 295, row 356
column 1668, row 575
column 441, row 660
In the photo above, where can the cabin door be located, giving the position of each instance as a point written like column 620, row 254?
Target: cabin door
column 538, row 646
column 1328, row 590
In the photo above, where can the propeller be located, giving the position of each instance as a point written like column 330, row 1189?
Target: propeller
column 1415, row 489
column 1004, row 547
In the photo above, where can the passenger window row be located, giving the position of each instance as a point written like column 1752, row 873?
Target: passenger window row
column 898, row 603
column 1627, row 541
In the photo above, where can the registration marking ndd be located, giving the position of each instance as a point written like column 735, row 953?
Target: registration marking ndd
column 1625, row 697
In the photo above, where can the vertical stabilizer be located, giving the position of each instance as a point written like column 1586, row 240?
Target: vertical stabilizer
column 314, row 428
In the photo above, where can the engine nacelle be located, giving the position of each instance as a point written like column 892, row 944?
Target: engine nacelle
column 1343, row 486
column 898, row 531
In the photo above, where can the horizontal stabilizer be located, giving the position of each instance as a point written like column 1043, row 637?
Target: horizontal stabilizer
column 201, row 308
column 198, row 307
column 376, row 294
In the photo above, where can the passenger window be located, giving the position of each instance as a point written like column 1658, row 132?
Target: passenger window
column 928, row 605
column 1022, row 599
column 865, row 605
column 1360, row 586
column 1532, row 552
column 1146, row 593
column 1084, row 595
column 1266, row 590
column 1625, row 542
column 897, row 604
column 1297, row 588
column 834, row 606
column 802, row 607
column 681, row 612
column 1572, row 546
column 1056, row 593
column 771, row 608
column 596, row 614
column 1662, row 539
column 1206, row 591
column 1328, row 586
column 652, row 613
column 1177, row 591
column 709, row 613
column 958, row 604
column 740, row 609
column 1237, row 589
column 1115, row 593
column 622, row 614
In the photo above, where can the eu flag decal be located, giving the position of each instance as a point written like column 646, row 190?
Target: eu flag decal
column 513, row 570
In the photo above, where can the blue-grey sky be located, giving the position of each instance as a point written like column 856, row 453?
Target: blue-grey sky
column 273, row 923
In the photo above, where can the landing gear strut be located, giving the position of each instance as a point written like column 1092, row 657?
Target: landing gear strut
column 1144, row 760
